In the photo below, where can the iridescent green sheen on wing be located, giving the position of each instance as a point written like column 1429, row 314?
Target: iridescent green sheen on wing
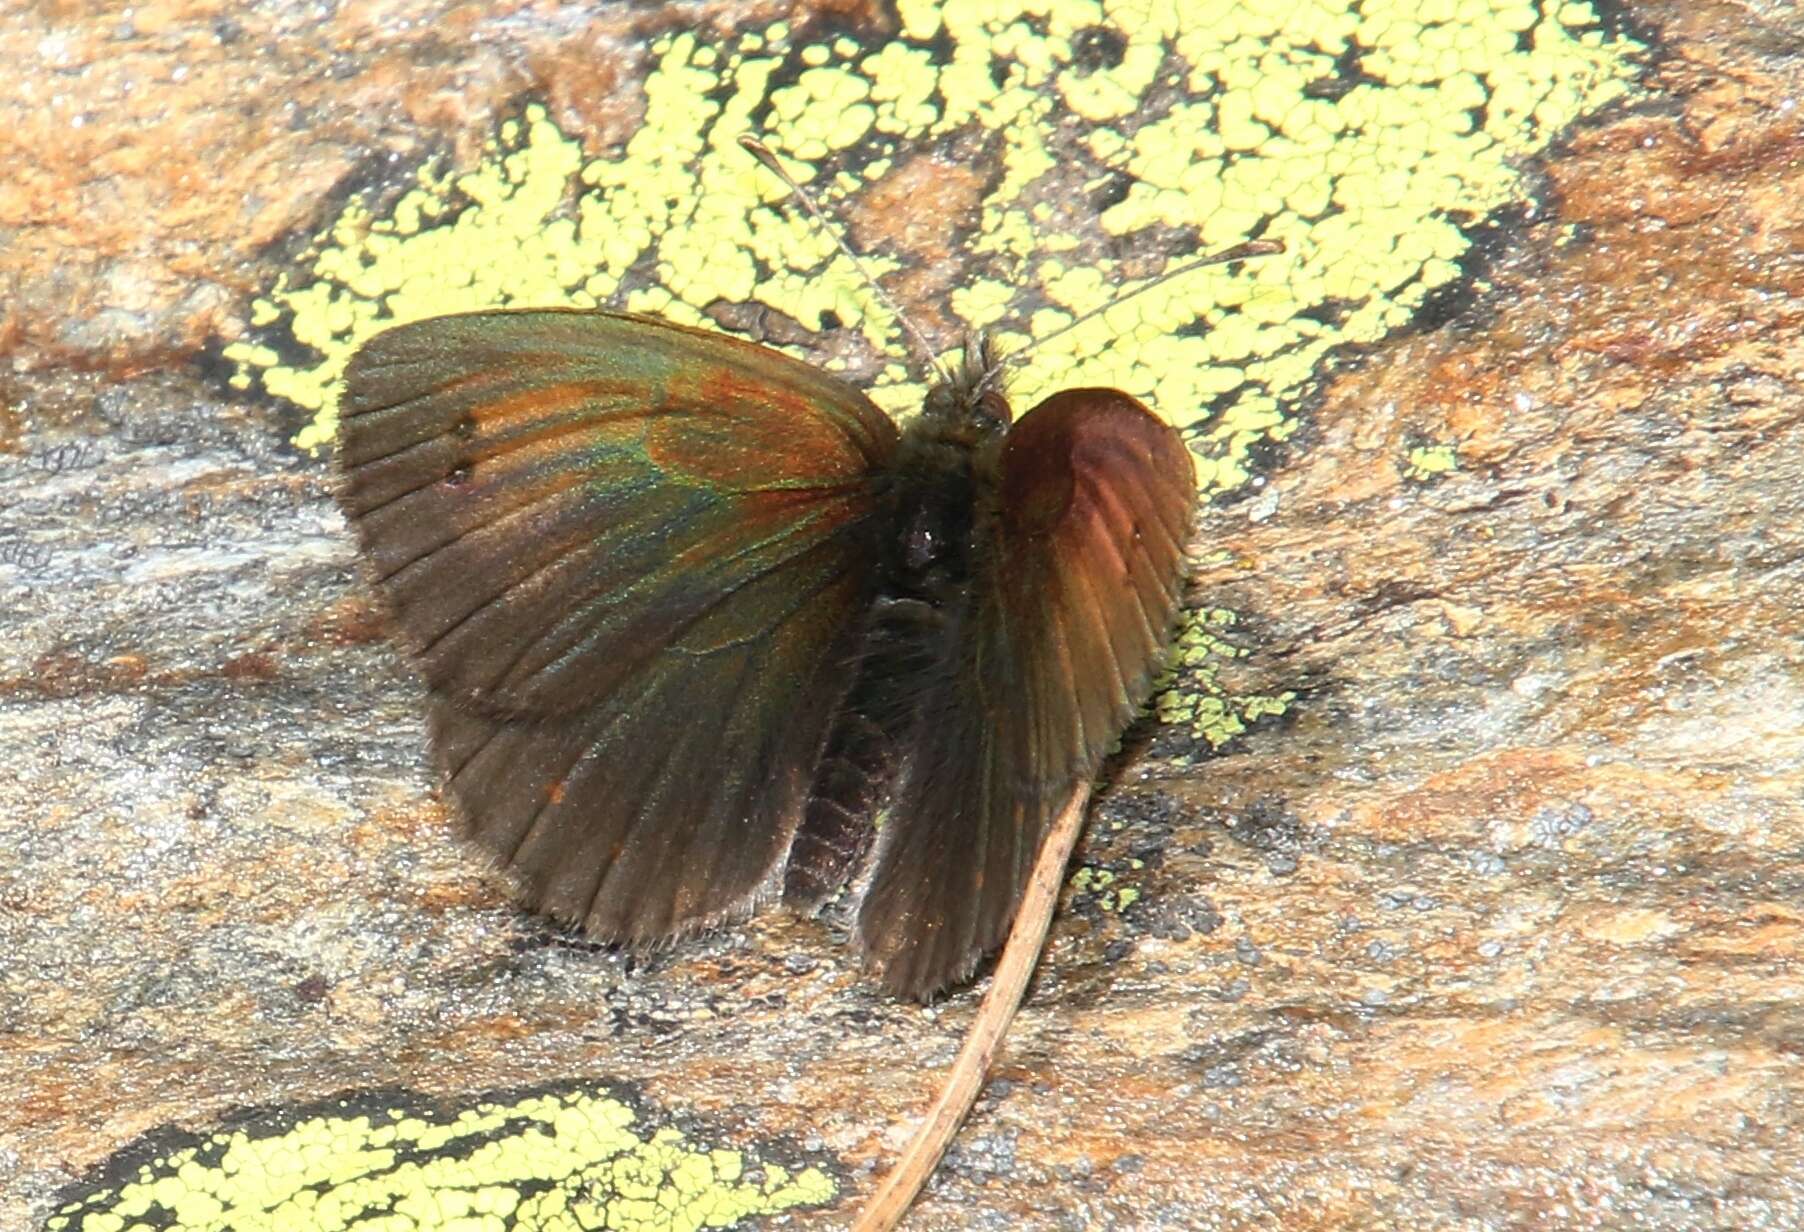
column 620, row 550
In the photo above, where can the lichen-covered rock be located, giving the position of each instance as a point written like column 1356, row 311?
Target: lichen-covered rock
column 1455, row 880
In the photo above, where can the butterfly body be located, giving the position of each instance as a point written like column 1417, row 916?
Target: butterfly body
column 939, row 510
column 691, row 612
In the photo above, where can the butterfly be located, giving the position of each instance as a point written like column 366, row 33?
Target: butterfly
column 702, row 628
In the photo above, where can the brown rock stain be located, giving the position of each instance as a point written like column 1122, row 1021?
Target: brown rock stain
column 1774, row 932
column 917, row 212
column 356, row 620
column 1510, row 783
column 256, row 666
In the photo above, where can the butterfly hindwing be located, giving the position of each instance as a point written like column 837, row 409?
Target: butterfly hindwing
column 630, row 559
column 1080, row 564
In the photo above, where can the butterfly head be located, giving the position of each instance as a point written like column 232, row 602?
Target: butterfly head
column 971, row 396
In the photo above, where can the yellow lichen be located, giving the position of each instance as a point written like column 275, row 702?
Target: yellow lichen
column 565, row 1159
column 1425, row 462
column 1190, row 694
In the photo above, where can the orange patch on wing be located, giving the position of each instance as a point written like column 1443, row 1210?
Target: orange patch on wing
column 548, row 407
column 754, row 434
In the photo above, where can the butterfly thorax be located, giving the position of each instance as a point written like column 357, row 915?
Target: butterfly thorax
column 935, row 479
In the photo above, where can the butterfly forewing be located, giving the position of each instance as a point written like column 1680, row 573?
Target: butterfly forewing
column 631, row 560
column 547, row 497
column 1082, row 548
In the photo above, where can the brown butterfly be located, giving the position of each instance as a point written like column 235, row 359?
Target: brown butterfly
column 692, row 612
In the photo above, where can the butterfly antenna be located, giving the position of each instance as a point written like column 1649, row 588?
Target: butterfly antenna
column 1252, row 248
column 757, row 149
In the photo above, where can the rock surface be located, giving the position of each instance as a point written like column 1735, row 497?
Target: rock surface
column 1498, row 928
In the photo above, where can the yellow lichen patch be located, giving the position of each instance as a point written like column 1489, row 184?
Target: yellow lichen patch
column 1425, row 462
column 1103, row 884
column 558, row 1160
column 1369, row 138
column 1190, row 695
